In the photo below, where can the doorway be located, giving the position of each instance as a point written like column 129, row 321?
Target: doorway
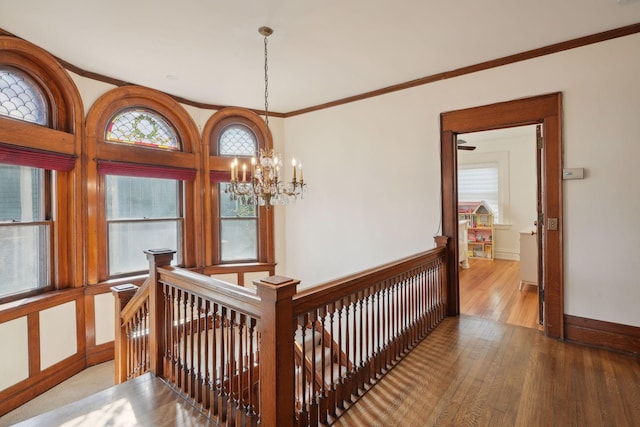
column 545, row 110
column 497, row 174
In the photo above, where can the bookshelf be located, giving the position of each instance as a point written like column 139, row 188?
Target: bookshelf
column 480, row 233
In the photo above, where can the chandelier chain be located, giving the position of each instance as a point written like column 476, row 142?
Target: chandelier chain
column 260, row 182
column 266, row 84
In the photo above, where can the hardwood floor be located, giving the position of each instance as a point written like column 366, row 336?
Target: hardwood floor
column 489, row 289
column 476, row 372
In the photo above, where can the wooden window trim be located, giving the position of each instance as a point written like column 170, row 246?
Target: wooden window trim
column 215, row 163
column 63, row 137
column 98, row 149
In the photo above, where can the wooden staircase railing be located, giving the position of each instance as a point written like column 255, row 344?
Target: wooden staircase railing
column 273, row 356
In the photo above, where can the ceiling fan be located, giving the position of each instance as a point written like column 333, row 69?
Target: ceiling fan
column 465, row 147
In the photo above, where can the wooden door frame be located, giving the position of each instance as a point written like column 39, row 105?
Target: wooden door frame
column 545, row 110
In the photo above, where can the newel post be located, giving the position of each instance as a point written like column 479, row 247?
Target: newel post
column 157, row 258
column 441, row 241
column 122, row 294
column 276, row 350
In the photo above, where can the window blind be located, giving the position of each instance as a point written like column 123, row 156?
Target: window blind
column 477, row 183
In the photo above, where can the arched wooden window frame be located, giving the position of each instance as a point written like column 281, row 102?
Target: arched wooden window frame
column 98, row 149
column 220, row 164
column 63, row 136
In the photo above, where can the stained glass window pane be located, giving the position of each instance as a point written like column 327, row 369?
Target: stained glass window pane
column 237, row 140
column 142, row 127
column 21, row 98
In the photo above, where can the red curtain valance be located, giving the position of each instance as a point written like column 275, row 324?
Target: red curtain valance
column 106, row 167
column 220, row 176
column 22, row 156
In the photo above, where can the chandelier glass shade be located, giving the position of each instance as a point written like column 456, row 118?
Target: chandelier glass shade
column 260, row 182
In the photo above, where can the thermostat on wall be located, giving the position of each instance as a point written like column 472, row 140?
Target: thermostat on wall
column 573, row 173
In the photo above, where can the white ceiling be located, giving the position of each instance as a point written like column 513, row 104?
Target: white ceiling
column 210, row 51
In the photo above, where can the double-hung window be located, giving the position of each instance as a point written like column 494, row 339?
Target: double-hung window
column 25, row 232
column 485, row 176
column 238, row 220
column 142, row 213
column 478, row 182
column 25, row 226
column 143, row 202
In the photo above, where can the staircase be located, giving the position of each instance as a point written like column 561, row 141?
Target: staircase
column 143, row 401
column 321, row 358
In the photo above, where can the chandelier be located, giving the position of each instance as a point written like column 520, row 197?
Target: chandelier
column 260, row 183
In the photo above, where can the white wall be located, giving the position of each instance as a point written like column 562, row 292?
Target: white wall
column 14, row 360
column 373, row 172
column 373, row 169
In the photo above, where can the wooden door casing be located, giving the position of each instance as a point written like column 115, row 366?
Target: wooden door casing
column 545, row 110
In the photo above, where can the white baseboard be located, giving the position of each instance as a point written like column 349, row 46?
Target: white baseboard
column 507, row 254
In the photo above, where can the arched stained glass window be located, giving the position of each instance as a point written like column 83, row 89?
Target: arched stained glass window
column 142, row 127
column 21, row 98
column 237, row 140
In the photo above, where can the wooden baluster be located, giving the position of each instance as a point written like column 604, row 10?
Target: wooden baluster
column 362, row 334
column 394, row 322
column 222, row 392
column 128, row 352
column 348, row 378
column 197, row 367
column 145, row 338
column 232, row 369
column 313, row 388
column 433, row 296
column 134, row 349
column 239, row 410
column 423, row 301
column 252, row 399
column 375, row 336
column 404, row 318
column 342, row 366
column 331, row 398
column 386, row 321
column 415, row 315
column 429, row 296
column 184, row 344
column 191, row 369
column 215, row 373
column 137, row 337
column 206, row 357
column 303, row 413
column 353, row 389
column 325, row 343
column 166, row 359
column 400, row 314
